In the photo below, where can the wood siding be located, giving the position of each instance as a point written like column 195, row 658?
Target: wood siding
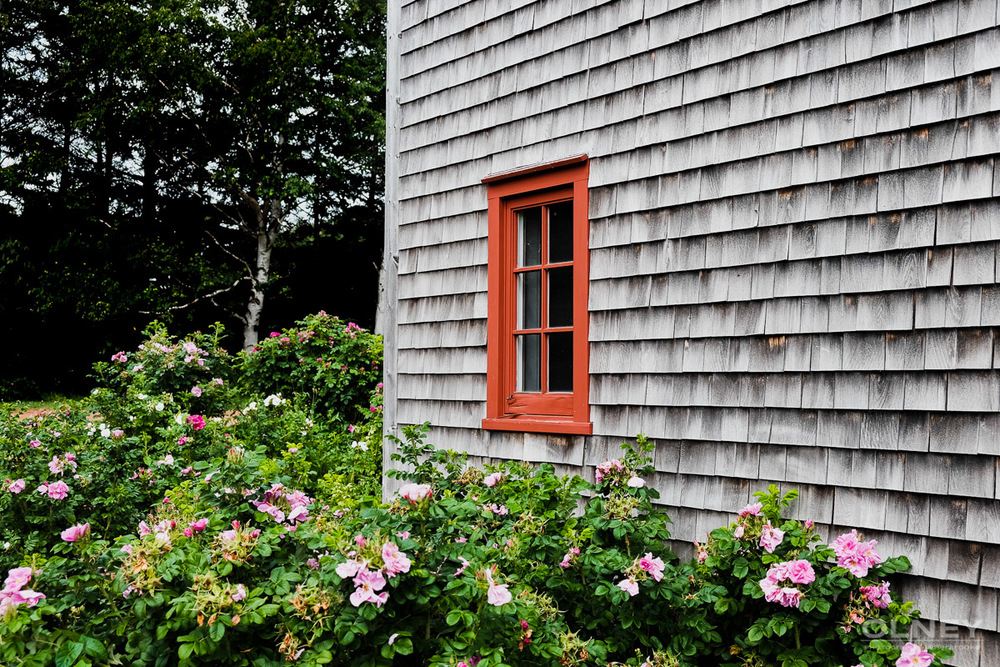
column 794, row 240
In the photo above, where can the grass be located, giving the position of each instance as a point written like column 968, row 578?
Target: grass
column 53, row 402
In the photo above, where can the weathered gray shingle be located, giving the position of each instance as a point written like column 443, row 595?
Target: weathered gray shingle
column 814, row 262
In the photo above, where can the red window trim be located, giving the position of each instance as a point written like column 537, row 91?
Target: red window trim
column 537, row 184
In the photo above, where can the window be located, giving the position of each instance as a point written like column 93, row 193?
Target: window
column 537, row 349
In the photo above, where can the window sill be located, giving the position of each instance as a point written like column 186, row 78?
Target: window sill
column 538, row 424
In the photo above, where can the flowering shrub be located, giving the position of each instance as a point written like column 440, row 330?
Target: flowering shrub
column 781, row 596
column 160, row 413
column 511, row 565
column 334, row 366
column 174, row 520
column 192, row 374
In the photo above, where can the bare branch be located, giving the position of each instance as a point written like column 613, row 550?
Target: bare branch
column 210, row 297
column 230, row 253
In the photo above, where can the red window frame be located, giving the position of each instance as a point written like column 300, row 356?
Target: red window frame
column 506, row 408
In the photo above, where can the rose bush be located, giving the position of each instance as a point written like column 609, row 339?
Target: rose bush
column 781, row 596
column 495, row 566
column 157, row 412
column 332, row 366
column 240, row 523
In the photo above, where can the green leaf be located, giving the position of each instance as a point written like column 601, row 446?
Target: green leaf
column 94, row 648
column 68, row 654
column 184, row 651
column 216, row 631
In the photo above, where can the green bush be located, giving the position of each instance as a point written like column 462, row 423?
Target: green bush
column 241, row 525
column 329, row 365
column 511, row 565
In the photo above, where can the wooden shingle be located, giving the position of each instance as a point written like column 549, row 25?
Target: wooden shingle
column 948, row 517
column 886, row 391
column 793, row 239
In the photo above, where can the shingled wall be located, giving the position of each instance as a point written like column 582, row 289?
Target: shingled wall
column 793, row 254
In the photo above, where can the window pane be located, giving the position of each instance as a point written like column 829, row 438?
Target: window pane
column 529, row 235
column 561, row 297
column 561, row 361
column 561, row 232
column 529, row 300
column 529, row 362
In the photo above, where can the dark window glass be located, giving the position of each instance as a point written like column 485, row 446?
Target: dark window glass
column 529, row 361
column 561, row 361
column 529, row 233
column 561, row 297
column 529, row 300
column 561, row 232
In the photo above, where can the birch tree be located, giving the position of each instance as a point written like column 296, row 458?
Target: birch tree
column 205, row 132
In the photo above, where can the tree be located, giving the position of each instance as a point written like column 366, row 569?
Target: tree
column 164, row 148
column 278, row 105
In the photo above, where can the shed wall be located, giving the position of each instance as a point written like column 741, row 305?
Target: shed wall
column 794, row 259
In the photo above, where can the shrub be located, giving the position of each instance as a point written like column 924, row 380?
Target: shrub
column 780, row 596
column 329, row 365
column 143, row 429
column 192, row 374
column 508, row 565
column 241, row 526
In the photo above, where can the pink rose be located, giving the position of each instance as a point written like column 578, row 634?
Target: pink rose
column 239, row 593
column 75, row 533
column 348, row 569
column 771, row 590
column 17, row 579
column 846, row 544
column 751, row 510
column 196, row 391
column 57, row 490
column 492, row 479
column 629, row 586
column 914, row 656
column 654, row 566
column 395, row 560
column 17, row 486
column 878, row 595
column 855, row 555
column 415, row 492
column 367, row 582
column 801, row 572
column 498, row 595
column 790, row 597
column 770, row 537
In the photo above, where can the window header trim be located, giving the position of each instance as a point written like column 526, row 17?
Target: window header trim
column 529, row 170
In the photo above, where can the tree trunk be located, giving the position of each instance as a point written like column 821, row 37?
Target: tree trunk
column 267, row 231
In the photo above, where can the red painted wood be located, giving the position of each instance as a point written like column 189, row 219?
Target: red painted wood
column 544, row 412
